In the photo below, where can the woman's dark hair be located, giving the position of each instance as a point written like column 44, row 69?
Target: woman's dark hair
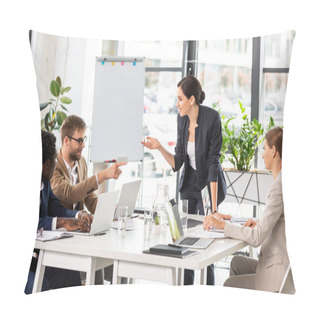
column 274, row 138
column 48, row 145
column 191, row 86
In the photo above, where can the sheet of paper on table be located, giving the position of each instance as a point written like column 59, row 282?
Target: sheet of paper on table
column 201, row 233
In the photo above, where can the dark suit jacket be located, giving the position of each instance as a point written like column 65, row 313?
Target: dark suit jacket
column 51, row 207
column 208, row 142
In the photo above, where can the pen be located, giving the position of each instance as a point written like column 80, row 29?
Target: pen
column 212, row 229
column 174, row 245
column 100, row 234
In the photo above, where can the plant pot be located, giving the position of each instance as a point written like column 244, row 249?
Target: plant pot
column 249, row 187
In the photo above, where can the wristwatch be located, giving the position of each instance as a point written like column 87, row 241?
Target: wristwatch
column 80, row 213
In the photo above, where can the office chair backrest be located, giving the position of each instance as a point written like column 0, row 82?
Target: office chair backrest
column 287, row 285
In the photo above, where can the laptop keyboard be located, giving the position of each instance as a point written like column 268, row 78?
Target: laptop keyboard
column 189, row 241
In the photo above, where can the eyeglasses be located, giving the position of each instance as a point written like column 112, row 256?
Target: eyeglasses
column 80, row 140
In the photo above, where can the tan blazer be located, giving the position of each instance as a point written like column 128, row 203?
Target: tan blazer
column 81, row 193
column 270, row 234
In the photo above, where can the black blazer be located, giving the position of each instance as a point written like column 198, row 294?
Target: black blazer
column 208, row 142
column 51, row 207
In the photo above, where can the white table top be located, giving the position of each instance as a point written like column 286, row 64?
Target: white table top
column 130, row 248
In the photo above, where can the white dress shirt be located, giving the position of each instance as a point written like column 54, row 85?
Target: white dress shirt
column 192, row 154
column 54, row 220
column 73, row 174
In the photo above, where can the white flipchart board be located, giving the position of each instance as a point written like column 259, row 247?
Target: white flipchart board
column 117, row 121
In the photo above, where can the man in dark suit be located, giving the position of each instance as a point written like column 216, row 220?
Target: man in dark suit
column 53, row 215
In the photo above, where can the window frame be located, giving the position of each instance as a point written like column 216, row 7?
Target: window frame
column 189, row 65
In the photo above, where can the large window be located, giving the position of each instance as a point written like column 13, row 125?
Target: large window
column 275, row 62
column 163, row 62
column 225, row 70
column 274, row 93
column 277, row 49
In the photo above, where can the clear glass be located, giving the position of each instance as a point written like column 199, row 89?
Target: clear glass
column 162, row 196
column 183, row 212
column 148, row 224
column 277, row 49
column 123, row 214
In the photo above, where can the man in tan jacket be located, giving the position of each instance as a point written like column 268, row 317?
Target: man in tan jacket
column 70, row 182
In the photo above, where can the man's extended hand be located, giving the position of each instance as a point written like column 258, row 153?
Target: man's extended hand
column 112, row 172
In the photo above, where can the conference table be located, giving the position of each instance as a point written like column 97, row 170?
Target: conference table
column 91, row 253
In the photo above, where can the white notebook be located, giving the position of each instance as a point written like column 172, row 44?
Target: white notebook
column 53, row 235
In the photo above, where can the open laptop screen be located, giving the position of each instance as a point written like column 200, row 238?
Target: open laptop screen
column 128, row 197
column 174, row 221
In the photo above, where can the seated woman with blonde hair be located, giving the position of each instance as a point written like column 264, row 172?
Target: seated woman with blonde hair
column 268, row 272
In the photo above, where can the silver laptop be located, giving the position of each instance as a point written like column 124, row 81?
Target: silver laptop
column 103, row 216
column 128, row 197
column 176, row 230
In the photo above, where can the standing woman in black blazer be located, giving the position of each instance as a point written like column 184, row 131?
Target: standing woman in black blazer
column 198, row 147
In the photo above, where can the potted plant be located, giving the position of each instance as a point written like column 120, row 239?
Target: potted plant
column 54, row 117
column 243, row 141
column 227, row 131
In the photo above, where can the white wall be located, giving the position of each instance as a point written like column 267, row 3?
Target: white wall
column 73, row 59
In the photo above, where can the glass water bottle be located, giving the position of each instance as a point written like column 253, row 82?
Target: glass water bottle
column 162, row 195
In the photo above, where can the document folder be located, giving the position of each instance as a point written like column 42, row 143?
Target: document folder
column 170, row 251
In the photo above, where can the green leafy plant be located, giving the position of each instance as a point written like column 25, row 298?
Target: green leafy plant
column 156, row 219
column 227, row 131
column 54, row 117
column 242, row 142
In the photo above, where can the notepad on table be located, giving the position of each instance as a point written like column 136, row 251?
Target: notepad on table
column 47, row 235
